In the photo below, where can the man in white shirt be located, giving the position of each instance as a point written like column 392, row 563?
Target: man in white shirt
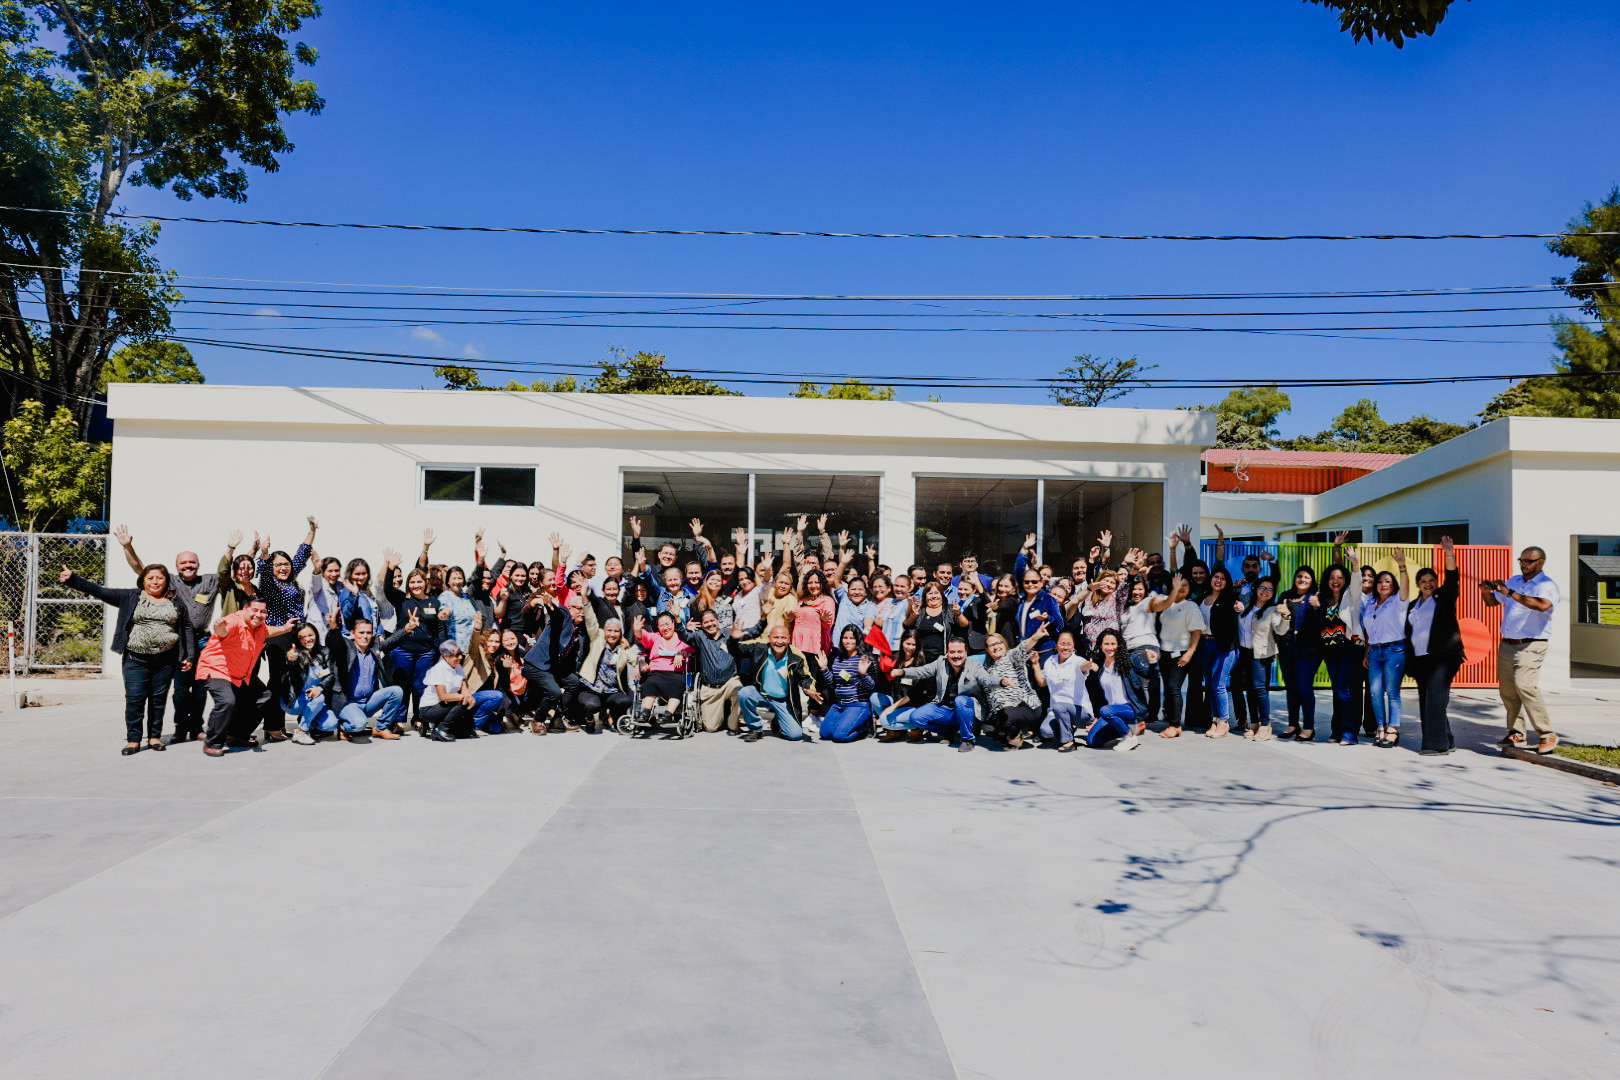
column 1528, row 598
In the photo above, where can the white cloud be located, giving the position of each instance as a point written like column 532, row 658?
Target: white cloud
column 426, row 333
column 472, row 352
column 268, row 313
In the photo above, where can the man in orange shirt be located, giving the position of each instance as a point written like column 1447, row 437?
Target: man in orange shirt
column 229, row 666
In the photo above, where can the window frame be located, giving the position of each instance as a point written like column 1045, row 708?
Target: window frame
column 423, row 468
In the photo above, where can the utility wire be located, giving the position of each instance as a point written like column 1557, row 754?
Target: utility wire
column 801, row 232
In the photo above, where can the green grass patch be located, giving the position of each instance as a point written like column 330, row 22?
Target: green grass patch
column 1594, row 755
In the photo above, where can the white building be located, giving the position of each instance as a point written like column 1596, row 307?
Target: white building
column 1519, row 482
column 922, row 480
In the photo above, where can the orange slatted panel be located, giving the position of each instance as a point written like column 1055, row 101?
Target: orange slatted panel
column 1481, row 625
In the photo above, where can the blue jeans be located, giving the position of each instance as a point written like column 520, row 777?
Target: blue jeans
column 1112, row 724
column 1340, row 664
column 750, row 700
column 384, row 707
column 410, row 668
column 1148, row 671
column 1059, row 722
column 146, row 691
column 937, row 718
column 845, row 723
column 1386, row 664
column 1218, row 664
column 1299, row 672
column 486, row 703
column 1259, row 691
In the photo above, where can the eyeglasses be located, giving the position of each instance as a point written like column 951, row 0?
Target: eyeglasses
column 1032, row 581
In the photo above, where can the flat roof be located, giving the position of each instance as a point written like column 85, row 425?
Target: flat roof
column 504, row 409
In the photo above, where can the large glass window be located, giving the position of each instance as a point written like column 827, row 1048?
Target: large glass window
column 1075, row 513
column 1598, row 580
column 989, row 517
column 850, row 503
column 666, row 503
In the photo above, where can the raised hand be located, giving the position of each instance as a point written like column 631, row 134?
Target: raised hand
column 478, row 619
column 1106, row 538
column 428, row 537
column 562, row 556
column 865, row 665
column 1094, row 554
column 556, row 541
column 1314, row 600
column 871, row 552
column 1267, row 556
column 331, row 619
column 391, row 557
column 255, row 543
column 1220, row 533
column 843, row 538
column 804, row 523
column 1176, row 582
column 233, row 539
column 1447, row 544
column 1030, row 540
column 64, row 575
column 1399, row 555
column 739, row 536
column 1341, row 536
column 697, row 527
column 121, row 534
column 313, row 524
column 414, row 620
column 637, row 625
column 635, row 527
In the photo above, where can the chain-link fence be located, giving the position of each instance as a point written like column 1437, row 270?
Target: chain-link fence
column 57, row 628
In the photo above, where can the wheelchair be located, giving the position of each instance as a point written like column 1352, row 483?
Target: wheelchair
column 682, row 724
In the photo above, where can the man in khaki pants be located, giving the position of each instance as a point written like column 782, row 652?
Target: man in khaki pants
column 717, row 682
column 1529, row 598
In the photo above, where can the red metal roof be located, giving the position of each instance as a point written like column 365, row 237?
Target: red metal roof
column 1302, row 459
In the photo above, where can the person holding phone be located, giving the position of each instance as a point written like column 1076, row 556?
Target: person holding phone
column 1529, row 598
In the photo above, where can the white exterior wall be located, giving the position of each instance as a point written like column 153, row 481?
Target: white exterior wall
column 190, row 463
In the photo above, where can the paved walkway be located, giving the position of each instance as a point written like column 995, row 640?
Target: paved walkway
column 593, row 907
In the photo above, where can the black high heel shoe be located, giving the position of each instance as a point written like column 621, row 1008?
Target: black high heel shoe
column 1306, row 735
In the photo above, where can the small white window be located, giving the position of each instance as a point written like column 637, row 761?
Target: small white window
column 486, row 485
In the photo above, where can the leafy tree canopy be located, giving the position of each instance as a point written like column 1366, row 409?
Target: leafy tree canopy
column 152, row 362
column 181, row 95
column 1091, row 381
column 621, row 373
column 1395, row 21
column 851, row 389
column 1360, row 429
column 58, row 476
column 1246, row 418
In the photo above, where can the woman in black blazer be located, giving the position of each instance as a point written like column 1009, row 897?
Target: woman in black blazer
column 1434, row 650
column 155, row 637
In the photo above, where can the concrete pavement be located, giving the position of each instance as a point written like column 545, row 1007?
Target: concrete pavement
column 582, row 906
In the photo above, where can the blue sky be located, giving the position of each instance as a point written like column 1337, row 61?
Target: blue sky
column 1164, row 118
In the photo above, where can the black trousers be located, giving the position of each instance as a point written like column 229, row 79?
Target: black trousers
column 236, row 710
column 1433, row 675
column 1008, row 723
column 1362, row 693
column 454, row 717
column 275, row 653
column 548, row 693
column 614, row 703
column 189, row 696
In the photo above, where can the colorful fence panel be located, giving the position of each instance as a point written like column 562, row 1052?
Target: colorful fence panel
column 1475, row 562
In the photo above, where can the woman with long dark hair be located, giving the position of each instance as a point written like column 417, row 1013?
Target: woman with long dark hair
column 418, row 651
column 848, row 676
column 934, row 624
column 1341, row 630
column 1221, row 609
column 1257, row 647
column 813, row 619
column 156, row 640
column 1383, row 616
column 1434, row 648
column 1301, row 650
column 307, row 681
column 1116, row 696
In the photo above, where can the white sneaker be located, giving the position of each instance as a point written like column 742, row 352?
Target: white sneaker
column 303, row 738
column 1129, row 742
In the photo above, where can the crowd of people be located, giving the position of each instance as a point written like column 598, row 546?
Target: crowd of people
column 816, row 641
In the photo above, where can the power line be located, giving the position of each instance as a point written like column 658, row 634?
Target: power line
column 531, row 230
column 482, row 292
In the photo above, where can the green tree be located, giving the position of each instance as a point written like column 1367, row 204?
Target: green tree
column 1246, row 418
column 152, row 362
column 1091, row 381
column 1516, row 400
column 59, row 476
column 1392, row 20
column 181, row 95
column 1589, row 366
column 621, row 373
column 851, row 389
column 1360, row 429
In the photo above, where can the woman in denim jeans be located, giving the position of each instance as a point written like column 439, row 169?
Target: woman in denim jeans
column 1221, row 611
column 1257, row 647
column 1383, row 619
